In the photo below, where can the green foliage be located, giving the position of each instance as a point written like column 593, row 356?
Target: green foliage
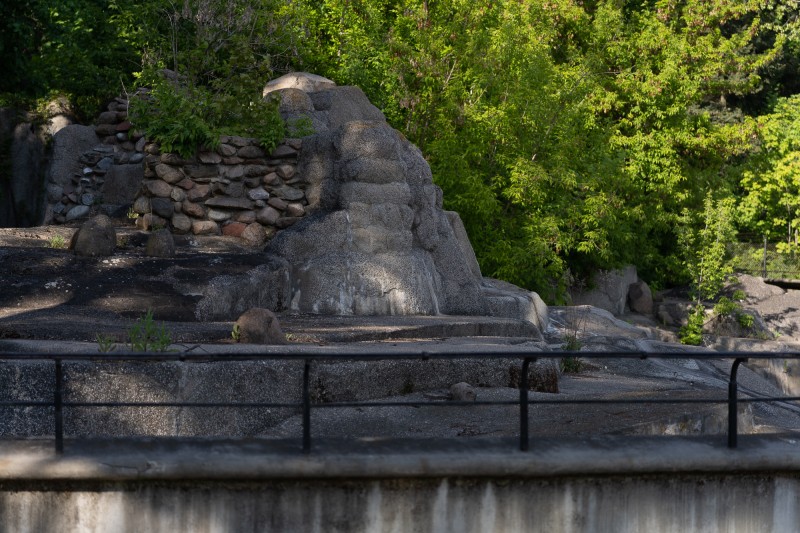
column 770, row 204
column 236, row 334
column 147, row 336
column 706, row 248
column 570, row 365
column 57, row 242
column 218, row 56
column 726, row 307
column 692, row 332
column 105, row 344
column 173, row 118
column 745, row 320
column 299, row 127
column 567, row 135
column 76, row 48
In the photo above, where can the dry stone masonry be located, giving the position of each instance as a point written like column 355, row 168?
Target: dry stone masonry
column 95, row 167
column 238, row 190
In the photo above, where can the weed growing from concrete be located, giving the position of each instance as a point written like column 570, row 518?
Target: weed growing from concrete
column 105, row 344
column 147, row 336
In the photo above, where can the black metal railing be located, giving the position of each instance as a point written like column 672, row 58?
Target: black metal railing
column 59, row 404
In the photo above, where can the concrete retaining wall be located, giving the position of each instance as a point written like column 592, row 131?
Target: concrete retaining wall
column 749, row 503
column 220, row 382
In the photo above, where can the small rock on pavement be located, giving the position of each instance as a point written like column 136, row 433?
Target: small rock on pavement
column 160, row 244
column 259, row 326
column 463, row 392
column 96, row 237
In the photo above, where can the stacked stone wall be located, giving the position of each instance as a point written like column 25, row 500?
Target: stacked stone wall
column 110, row 172
column 238, row 189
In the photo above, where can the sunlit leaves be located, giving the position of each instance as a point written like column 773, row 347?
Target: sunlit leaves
column 771, row 203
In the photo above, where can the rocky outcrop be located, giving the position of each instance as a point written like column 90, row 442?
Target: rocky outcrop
column 609, row 290
column 509, row 301
column 377, row 240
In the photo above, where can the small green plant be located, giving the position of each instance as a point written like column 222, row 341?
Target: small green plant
column 147, row 336
column 571, row 343
column 570, row 365
column 57, row 242
column 738, row 295
column 745, row 320
column 727, row 307
column 132, row 215
column 574, row 327
column 105, row 344
column 692, row 332
column 299, row 127
column 236, row 333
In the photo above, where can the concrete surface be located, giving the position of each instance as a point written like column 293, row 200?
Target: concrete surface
column 653, row 485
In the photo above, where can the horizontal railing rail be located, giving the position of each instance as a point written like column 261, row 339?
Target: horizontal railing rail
column 306, row 405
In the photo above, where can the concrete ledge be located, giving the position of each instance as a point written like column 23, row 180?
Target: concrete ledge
column 253, row 460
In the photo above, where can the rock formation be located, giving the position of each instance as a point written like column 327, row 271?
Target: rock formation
column 376, row 240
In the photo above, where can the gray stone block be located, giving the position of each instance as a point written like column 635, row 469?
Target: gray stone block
column 227, row 297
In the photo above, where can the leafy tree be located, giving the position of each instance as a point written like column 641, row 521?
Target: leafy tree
column 770, row 202
column 566, row 134
column 69, row 47
column 218, row 56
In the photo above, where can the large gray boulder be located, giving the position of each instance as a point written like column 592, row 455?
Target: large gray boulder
column 122, row 184
column 609, row 291
column 27, row 176
column 227, row 297
column 377, row 241
column 509, row 301
column 303, row 81
column 68, row 145
column 96, row 237
column 319, row 102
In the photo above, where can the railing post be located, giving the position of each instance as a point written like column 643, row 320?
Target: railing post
column 58, row 405
column 733, row 407
column 523, row 405
column 306, row 408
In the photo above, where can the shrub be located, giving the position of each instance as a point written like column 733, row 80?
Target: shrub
column 692, row 332
column 147, row 336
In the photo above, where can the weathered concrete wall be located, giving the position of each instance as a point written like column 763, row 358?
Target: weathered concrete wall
column 222, row 382
column 740, row 503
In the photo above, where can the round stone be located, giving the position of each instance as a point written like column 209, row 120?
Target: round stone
column 218, row 216
column 258, row 194
column 181, row 223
